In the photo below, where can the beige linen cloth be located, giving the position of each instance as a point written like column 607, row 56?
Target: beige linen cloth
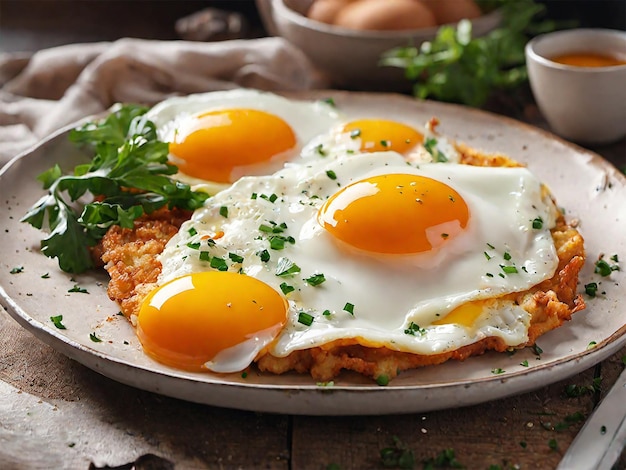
column 55, row 87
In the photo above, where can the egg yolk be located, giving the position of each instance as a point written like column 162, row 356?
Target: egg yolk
column 395, row 214
column 186, row 322
column 214, row 144
column 379, row 135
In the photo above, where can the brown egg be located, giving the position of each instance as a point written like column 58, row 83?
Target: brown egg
column 452, row 11
column 385, row 15
column 326, row 10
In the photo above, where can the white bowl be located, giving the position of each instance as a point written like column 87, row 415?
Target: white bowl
column 348, row 57
column 582, row 104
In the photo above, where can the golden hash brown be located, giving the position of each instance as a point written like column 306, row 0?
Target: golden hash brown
column 130, row 257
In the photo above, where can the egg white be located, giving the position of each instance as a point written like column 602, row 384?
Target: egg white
column 387, row 292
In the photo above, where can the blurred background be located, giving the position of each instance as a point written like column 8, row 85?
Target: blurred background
column 29, row 25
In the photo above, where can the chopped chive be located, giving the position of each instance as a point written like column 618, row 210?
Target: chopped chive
column 349, row 308
column 45, row 276
column 205, row 256
column 194, row 245
column 385, row 143
column 192, row 231
column 537, row 223
column 320, row 150
column 524, row 363
column 224, row 211
column 487, row 255
column 491, row 246
column 235, row 258
column 17, row 270
column 253, row 196
column 326, row 313
column 305, row 318
column 354, row 133
column 508, row 269
column 507, row 255
column 330, row 102
column 498, row 371
column 331, row 174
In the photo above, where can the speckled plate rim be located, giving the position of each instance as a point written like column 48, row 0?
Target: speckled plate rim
column 589, row 187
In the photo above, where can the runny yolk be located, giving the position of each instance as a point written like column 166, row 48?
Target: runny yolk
column 395, row 214
column 186, row 322
column 379, row 135
column 211, row 146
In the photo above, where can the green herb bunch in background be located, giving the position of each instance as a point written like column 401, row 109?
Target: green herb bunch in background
column 459, row 68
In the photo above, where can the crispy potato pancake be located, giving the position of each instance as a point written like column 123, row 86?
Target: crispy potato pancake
column 130, row 258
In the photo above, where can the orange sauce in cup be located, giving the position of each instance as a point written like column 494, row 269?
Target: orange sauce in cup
column 588, row 60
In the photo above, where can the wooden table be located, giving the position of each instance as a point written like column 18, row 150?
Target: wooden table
column 55, row 413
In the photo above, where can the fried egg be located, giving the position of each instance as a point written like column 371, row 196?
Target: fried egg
column 418, row 144
column 367, row 249
column 218, row 137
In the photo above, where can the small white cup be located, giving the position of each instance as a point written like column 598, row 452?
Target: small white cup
column 582, row 104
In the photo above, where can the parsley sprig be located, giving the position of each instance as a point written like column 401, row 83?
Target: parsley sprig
column 128, row 177
column 458, row 67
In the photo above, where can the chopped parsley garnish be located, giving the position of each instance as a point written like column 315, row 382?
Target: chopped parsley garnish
column 507, row 255
column 315, row 280
column 508, row 269
column 430, row 144
column 264, row 255
column 414, row 328
column 17, row 270
column 277, row 242
column 591, row 289
column 219, row 263
column 286, row 288
column 305, row 318
column 286, row 267
column 224, row 212
column 326, row 313
column 603, row 268
column 127, row 154
column 497, row 371
column 271, row 198
column 57, row 322
column 204, row 256
column 94, row 338
column 538, row 223
column 78, row 289
column 331, row 174
column 235, row 258
column 349, row 308
column 382, row 380
column 524, row 363
column 330, row 102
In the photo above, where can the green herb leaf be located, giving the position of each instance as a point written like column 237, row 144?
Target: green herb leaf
column 94, row 338
column 286, row 267
column 286, row 288
column 57, row 322
column 305, row 318
column 315, row 280
column 349, row 308
column 78, row 289
column 126, row 154
column 458, row 67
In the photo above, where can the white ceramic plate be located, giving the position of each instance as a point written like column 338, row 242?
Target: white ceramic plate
column 589, row 188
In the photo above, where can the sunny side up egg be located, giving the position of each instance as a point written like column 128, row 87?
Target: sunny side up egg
column 367, row 249
column 218, row 137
